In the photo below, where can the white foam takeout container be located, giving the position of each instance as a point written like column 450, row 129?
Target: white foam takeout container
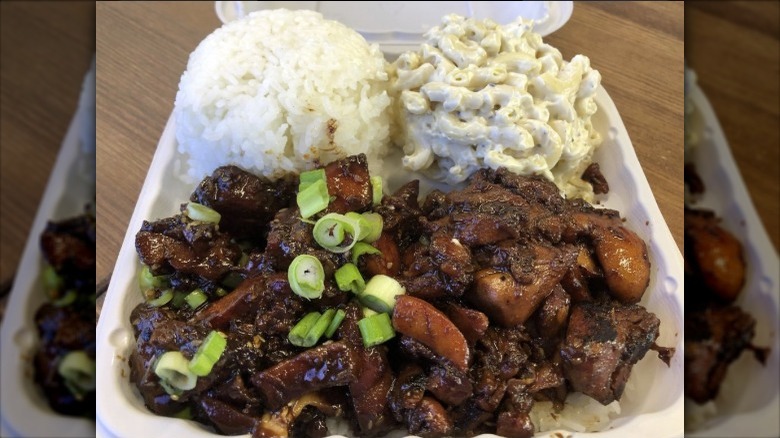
column 749, row 402
column 652, row 404
column 25, row 411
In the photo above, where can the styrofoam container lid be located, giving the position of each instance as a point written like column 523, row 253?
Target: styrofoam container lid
column 399, row 26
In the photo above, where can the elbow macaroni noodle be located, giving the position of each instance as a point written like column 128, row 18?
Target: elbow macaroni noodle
column 480, row 94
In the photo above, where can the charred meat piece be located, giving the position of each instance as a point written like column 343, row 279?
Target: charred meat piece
column 596, row 179
column 602, row 344
column 349, row 184
column 290, row 237
column 69, row 246
column 189, row 247
column 67, row 325
column 424, row 323
column 61, row 331
column 429, row 419
column 327, row 365
column 499, row 356
column 400, row 212
column 621, row 253
column 511, row 298
column 714, row 255
column 370, row 390
column 714, row 338
column 472, row 323
column 514, row 420
column 227, row 419
column 246, row 202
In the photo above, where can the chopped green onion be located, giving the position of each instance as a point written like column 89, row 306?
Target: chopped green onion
column 361, row 248
column 311, row 177
column 306, row 276
column 178, row 299
column 380, row 293
column 332, row 230
column 147, row 280
column 208, row 353
column 335, row 323
column 373, row 223
column 52, row 282
column 173, row 370
column 221, row 292
column 67, row 299
column 232, row 280
column 184, row 414
column 319, row 328
column 348, row 279
column 313, row 199
column 78, row 370
column 298, row 333
column 376, row 189
column 163, row 299
column 376, row 329
column 242, row 262
column 199, row 212
column 196, row 298
column 368, row 311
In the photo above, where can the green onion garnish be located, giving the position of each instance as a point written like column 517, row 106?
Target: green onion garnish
column 373, row 223
column 67, row 299
column 308, row 178
column 298, row 333
column 178, row 299
column 335, row 323
column 368, row 311
column 319, row 328
column 306, row 276
column 196, row 298
column 232, row 280
column 163, row 299
column 173, row 370
column 376, row 189
column 348, row 279
column 313, row 199
column 332, row 230
column 380, row 293
column 52, row 282
column 184, row 414
column 221, row 292
column 376, row 329
column 78, row 370
column 199, row 212
column 147, row 280
column 208, row 353
column 361, row 248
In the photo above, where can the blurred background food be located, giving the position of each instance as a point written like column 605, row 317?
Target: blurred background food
column 46, row 49
column 734, row 48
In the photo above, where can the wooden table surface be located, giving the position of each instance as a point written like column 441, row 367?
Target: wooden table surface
column 734, row 48
column 47, row 49
column 143, row 49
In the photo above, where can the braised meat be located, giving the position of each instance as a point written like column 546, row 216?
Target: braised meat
column 717, row 332
column 714, row 338
column 602, row 344
column 507, row 293
column 246, row 202
column 66, row 323
column 713, row 255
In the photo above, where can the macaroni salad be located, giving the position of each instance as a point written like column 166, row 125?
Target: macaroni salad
column 478, row 94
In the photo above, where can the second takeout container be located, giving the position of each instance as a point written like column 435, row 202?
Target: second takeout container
column 653, row 404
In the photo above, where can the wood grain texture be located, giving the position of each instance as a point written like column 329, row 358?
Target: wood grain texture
column 734, row 48
column 143, row 49
column 46, row 50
